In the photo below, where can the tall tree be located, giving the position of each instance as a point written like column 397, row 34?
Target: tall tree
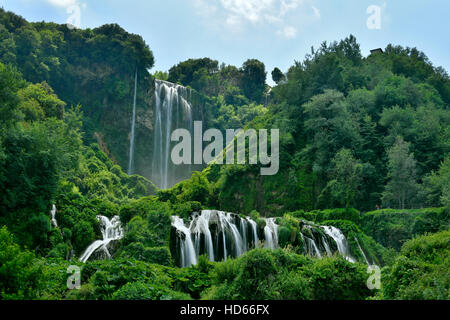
column 347, row 176
column 437, row 185
column 402, row 185
column 254, row 79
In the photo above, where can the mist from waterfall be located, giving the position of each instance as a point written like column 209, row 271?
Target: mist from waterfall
column 133, row 127
column 173, row 110
column 221, row 235
column 111, row 231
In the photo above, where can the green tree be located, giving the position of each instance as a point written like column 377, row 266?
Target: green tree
column 161, row 75
column 402, row 186
column 10, row 82
column 20, row 275
column 254, row 79
column 347, row 177
column 437, row 185
column 38, row 101
column 277, row 75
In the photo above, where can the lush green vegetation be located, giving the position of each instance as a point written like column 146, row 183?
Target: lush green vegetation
column 421, row 271
column 92, row 67
column 355, row 133
column 274, row 275
column 391, row 228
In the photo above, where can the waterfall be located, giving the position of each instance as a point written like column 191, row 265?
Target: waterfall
column 327, row 247
column 172, row 111
column 362, row 252
column 312, row 248
column 271, row 234
column 222, row 235
column 53, row 214
column 219, row 235
column 243, row 230
column 202, row 227
column 188, row 254
column 133, row 126
column 111, row 230
column 254, row 228
column 340, row 240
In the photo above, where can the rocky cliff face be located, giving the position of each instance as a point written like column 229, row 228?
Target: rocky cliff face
column 113, row 131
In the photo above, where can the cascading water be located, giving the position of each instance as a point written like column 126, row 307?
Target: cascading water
column 188, row 256
column 311, row 247
column 53, row 214
column 327, row 247
column 202, row 227
column 340, row 240
column 133, row 127
column 271, row 234
column 254, row 228
column 221, row 235
column 362, row 252
column 172, row 111
column 217, row 234
column 111, row 231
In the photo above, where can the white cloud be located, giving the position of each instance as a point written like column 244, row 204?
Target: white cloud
column 63, row 3
column 288, row 32
column 251, row 10
column 316, row 12
column 282, row 15
column 205, row 7
column 289, row 5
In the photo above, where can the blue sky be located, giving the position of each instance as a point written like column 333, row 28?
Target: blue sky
column 276, row 32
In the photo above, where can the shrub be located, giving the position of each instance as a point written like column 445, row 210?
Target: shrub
column 421, row 272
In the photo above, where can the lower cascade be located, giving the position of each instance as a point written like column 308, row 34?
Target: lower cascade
column 111, row 231
column 221, row 235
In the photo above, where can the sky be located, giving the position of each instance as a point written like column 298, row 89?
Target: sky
column 277, row 32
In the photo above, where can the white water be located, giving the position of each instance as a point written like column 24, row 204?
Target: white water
column 231, row 236
column 133, row 126
column 254, row 228
column 243, row 227
column 188, row 254
column 53, row 213
column 327, row 247
column 202, row 227
column 363, row 254
column 111, row 230
column 312, row 247
column 340, row 240
column 222, row 235
column 172, row 111
column 238, row 243
column 271, row 234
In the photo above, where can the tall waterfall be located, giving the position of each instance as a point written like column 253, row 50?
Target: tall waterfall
column 221, row 235
column 111, row 230
column 173, row 111
column 133, row 126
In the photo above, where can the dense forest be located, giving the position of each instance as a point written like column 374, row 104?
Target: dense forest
column 364, row 147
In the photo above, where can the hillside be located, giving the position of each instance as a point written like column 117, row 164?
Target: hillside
column 364, row 175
